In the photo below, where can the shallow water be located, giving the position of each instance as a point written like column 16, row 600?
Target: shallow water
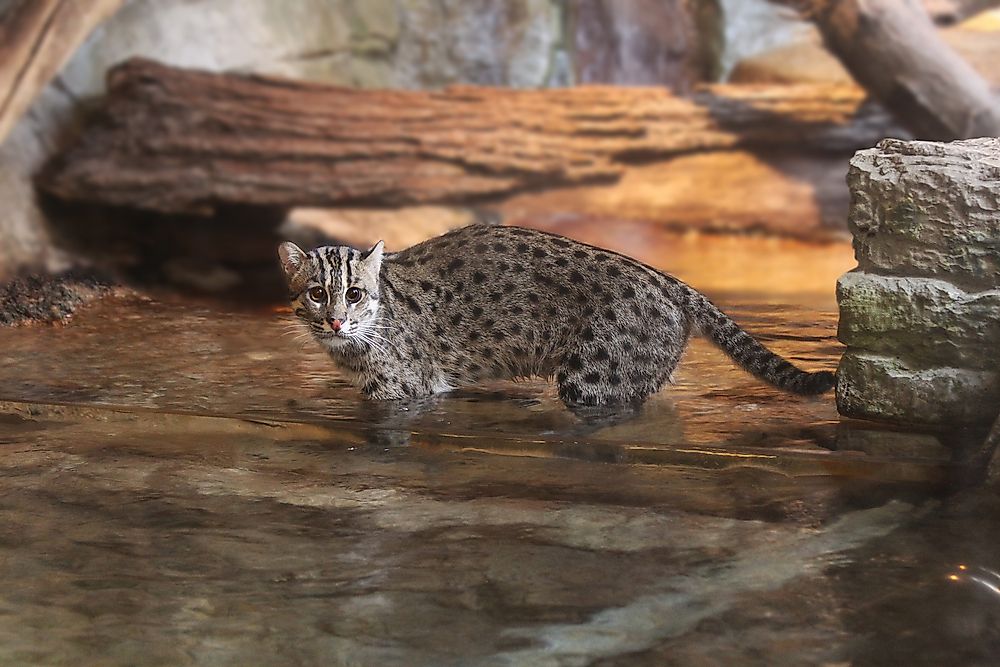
column 183, row 484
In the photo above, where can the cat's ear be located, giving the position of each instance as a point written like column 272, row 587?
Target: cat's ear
column 371, row 259
column 293, row 261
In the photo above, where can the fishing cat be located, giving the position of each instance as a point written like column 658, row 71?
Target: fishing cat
column 492, row 302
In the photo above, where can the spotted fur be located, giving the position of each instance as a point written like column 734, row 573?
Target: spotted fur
column 487, row 302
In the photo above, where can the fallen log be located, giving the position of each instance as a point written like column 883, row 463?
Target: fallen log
column 894, row 50
column 36, row 38
column 181, row 141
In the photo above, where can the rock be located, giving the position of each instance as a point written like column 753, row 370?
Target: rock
column 757, row 26
column 478, row 41
column 232, row 35
column 921, row 315
column 46, row 298
column 885, row 387
column 915, row 318
column 794, row 195
column 673, row 43
column 25, row 237
column 883, row 441
column 928, row 209
column 413, row 43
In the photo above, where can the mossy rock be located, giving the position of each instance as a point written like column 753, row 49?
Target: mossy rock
column 884, row 387
column 924, row 319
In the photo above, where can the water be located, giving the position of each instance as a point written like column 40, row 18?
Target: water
column 186, row 484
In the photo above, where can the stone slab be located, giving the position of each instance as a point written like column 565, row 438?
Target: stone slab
column 928, row 209
column 882, row 387
column 919, row 318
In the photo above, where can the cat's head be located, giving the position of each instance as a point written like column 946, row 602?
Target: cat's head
column 334, row 290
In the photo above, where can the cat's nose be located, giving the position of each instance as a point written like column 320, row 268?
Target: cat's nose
column 336, row 324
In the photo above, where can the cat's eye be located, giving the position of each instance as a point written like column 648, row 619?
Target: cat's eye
column 317, row 294
column 353, row 295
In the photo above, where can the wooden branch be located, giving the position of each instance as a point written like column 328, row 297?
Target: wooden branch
column 950, row 12
column 37, row 37
column 174, row 140
column 893, row 49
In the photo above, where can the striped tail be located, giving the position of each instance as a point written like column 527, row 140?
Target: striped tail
column 746, row 351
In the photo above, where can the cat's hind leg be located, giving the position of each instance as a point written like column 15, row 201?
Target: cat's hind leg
column 627, row 366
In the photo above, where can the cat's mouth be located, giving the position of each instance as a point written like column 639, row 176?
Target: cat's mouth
column 326, row 335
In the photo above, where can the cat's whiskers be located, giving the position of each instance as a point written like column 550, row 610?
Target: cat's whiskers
column 366, row 339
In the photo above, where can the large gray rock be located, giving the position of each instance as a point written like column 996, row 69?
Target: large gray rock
column 921, row 315
column 25, row 238
column 676, row 43
column 932, row 209
column 365, row 43
column 925, row 319
column 887, row 387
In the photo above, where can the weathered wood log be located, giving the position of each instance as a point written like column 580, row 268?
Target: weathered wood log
column 174, row 140
column 949, row 12
column 894, row 50
column 36, row 39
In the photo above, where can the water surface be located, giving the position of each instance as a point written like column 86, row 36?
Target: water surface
column 189, row 484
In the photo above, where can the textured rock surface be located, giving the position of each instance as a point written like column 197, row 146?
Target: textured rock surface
column 928, row 209
column 44, row 298
column 365, row 43
column 921, row 315
column 919, row 318
column 25, row 240
column 402, row 43
column 876, row 386
column 646, row 42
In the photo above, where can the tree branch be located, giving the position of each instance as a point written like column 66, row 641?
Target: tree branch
column 893, row 49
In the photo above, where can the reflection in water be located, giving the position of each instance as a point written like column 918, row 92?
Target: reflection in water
column 184, row 485
column 983, row 576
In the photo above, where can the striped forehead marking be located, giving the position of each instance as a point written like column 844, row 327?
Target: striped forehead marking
column 338, row 267
column 345, row 263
